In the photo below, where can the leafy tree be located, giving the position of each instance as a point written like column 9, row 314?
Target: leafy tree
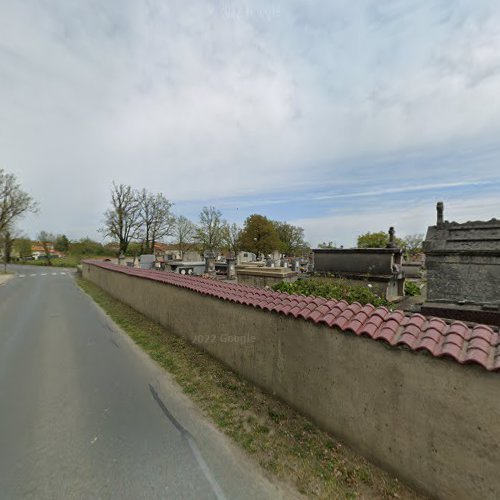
column 14, row 202
column 135, row 249
column 291, row 239
column 373, row 240
column 259, row 235
column 62, row 243
column 23, row 247
column 111, row 248
column 87, row 246
column 123, row 220
column 184, row 232
column 210, row 231
column 412, row 244
column 156, row 219
column 327, row 245
column 377, row 240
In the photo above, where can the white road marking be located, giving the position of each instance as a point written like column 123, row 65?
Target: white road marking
column 42, row 274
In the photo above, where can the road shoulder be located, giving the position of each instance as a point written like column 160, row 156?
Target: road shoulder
column 216, row 448
column 5, row 278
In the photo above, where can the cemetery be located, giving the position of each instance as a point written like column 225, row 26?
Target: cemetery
column 337, row 328
column 456, row 277
column 380, row 270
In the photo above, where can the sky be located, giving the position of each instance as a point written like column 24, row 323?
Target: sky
column 342, row 117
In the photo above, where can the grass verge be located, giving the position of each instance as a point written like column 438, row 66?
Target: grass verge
column 284, row 442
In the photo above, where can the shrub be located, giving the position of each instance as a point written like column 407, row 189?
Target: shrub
column 331, row 288
column 412, row 288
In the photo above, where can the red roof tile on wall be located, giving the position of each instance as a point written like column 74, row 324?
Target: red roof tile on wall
column 478, row 344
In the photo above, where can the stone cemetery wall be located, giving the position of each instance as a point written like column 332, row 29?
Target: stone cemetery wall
column 429, row 412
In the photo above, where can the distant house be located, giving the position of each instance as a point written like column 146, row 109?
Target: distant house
column 38, row 251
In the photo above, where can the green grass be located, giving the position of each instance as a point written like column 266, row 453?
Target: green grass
column 285, row 443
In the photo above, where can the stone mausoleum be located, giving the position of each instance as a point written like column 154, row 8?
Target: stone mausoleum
column 379, row 268
column 463, row 269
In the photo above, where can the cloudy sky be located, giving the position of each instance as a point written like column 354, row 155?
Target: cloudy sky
column 340, row 116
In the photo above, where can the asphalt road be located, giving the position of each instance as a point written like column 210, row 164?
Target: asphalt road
column 85, row 414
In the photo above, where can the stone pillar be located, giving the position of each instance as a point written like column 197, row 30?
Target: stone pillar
column 440, row 212
column 310, row 264
column 210, row 263
column 231, row 271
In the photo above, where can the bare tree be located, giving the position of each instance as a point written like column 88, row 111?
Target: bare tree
column 184, row 232
column 13, row 240
column 157, row 220
column 210, row 232
column 47, row 241
column 123, row 220
column 327, row 244
column 9, row 242
column 232, row 233
column 14, row 202
column 6, row 244
column 412, row 244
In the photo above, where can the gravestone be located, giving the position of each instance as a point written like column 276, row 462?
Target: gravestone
column 147, row 261
column 231, row 271
column 210, row 263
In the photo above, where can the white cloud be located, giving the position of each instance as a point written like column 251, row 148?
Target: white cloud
column 208, row 100
column 411, row 218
